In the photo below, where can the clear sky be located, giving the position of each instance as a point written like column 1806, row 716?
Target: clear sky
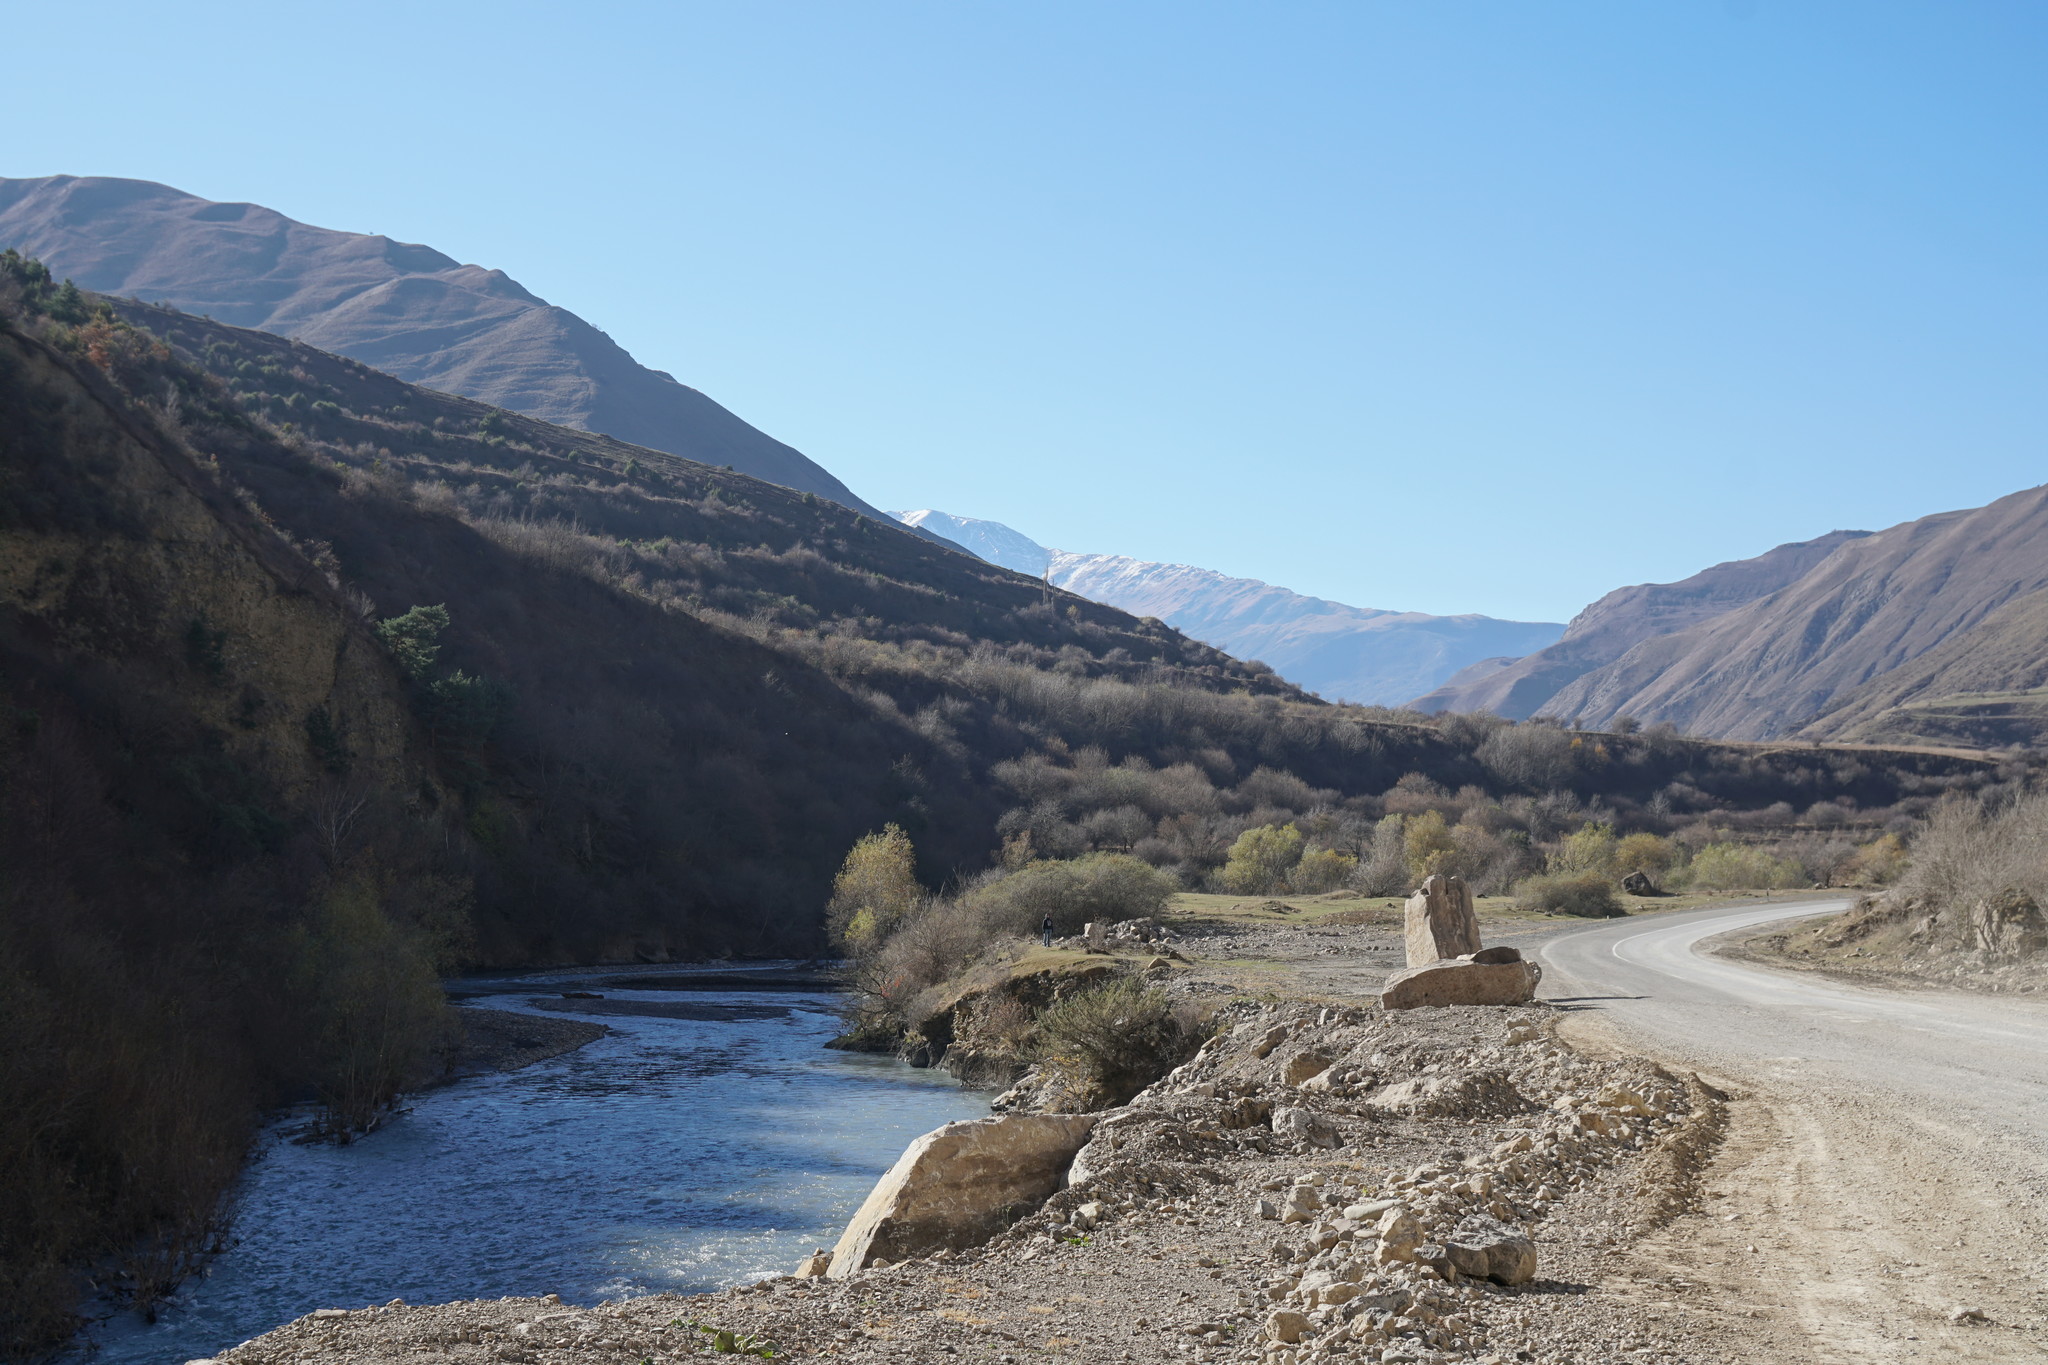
column 1438, row 305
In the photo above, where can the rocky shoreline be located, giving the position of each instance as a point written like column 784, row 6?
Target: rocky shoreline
column 1318, row 1184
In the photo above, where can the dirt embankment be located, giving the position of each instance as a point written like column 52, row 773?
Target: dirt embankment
column 1897, row 944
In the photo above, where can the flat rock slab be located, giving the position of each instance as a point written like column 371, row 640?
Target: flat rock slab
column 959, row 1185
column 1461, row 981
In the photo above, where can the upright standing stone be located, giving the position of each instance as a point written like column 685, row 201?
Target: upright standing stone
column 1441, row 922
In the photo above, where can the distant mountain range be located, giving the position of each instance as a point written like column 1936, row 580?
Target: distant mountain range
column 1933, row 631
column 1341, row 652
column 404, row 309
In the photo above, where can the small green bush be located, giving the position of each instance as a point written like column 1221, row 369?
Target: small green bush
column 1096, row 886
column 1741, row 867
column 1569, row 893
column 1107, row 1044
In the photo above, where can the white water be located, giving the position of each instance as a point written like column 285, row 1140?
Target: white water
column 675, row 1155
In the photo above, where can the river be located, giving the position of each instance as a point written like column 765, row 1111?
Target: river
column 675, row 1154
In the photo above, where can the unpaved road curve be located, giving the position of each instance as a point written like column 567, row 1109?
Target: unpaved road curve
column 1887, row 1156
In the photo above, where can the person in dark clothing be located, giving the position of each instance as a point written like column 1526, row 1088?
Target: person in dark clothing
column 1046, row 928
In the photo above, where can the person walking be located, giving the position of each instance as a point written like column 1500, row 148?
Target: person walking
column 1046, row 929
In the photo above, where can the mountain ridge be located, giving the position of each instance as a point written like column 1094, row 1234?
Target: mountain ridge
column 1877, row 603
column 1617, row 622
column 404, row 308
column 1338, row 651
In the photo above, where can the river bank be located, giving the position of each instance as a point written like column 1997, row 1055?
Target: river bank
column 1467, row 1121
column 667, row 1154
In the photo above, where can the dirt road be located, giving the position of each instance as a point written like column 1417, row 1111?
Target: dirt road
column 1887, row 1159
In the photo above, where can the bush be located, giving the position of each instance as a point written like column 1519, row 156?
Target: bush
column 1569, row 893
column 1741, row 867
column 1261, row 859
column 1384, row 869
column 876, row 889
column 1588, row 852
column 1645, row 853
column 1321, row 869
column 1096, row 886
column 1105, row 1045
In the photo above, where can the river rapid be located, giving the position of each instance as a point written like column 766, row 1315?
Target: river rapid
column 676, row 1154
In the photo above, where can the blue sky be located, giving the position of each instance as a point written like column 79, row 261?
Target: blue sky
column 1438, row 306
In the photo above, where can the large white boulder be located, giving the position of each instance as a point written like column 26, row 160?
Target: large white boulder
column 959, row 1185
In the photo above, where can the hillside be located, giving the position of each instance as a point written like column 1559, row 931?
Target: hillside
column 406, row 309
column 1618, row 622
column 1983, row 687
column 1877, row 603
column 1339, row 652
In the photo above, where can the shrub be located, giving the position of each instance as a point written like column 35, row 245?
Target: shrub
column 1384, row 869
column 1589, row 851
column 1568, row 893
column 1879, row 862
column 876, row 889
column 1321, row 869
column 1095, row 886
column 1644, row 852
column 1741, row 867
column 1429, row 846
column 1105, row 1045
column 1261, row 859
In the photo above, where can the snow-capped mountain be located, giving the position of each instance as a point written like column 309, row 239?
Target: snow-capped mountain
column 1345, row 653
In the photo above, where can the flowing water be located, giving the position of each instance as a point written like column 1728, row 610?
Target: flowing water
column 676, row 1154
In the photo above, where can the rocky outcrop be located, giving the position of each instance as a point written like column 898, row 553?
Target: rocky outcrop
column 1489, row 977
column 1441, row 921
column 960, row 1184
column 2008, row 926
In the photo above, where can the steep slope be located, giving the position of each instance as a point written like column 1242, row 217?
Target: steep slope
column 1875, row 604
column 1340, row 652
column 406, row 309
column 1984, row 687
column 1624, row 618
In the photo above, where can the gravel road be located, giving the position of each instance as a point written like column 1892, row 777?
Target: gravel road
column 1886, row 1168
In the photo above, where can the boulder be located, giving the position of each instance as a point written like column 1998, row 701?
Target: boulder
column 1285, row 1325
column 1440, row 921
column 1497, row 1254
column 1399, row 1235
column 959, row 1185
column 1463, row 981
column 1638, row 883
column 1305, row 1125
column 1304, row 1065
column 814, row 1265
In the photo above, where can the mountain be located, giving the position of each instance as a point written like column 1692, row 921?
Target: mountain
column 1851, row 644
column 1984, row 687
column 1603, row 632
column 405, row 309
column 991, row 540
column 1345, row 653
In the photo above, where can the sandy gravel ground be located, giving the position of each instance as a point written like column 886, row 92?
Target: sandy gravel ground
column 1882, row 1193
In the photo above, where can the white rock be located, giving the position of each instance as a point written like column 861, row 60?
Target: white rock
column 956, row 1186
